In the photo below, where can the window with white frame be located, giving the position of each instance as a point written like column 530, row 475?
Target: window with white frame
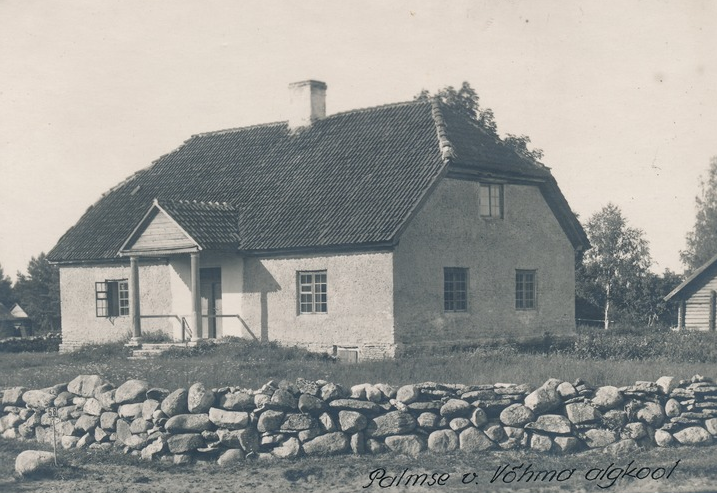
column 455, row 289
column 525, row 290
column 112, row 298
column 312, row 292
column 491, row 200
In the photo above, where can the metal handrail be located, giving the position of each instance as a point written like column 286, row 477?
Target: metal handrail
column 187, row 330
column 238, row 317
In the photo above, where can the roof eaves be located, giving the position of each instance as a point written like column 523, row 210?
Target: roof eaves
column 691, row 278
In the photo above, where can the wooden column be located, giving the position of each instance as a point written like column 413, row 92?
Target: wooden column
column 681, row 314
column 134, row 302
column 196, row 297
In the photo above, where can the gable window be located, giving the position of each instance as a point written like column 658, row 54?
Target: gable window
column 312, row 292
column 455, row 289
column 525, row 289
column 112, row 298
column 491, row 200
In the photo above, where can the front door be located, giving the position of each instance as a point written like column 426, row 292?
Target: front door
column 210, row 288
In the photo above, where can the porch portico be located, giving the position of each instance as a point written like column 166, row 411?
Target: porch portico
column 175, row 230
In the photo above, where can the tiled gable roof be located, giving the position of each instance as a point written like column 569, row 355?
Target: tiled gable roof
column 213, row 225
column 350, row 179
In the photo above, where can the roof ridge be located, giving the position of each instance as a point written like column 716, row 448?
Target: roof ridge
column 285, row 122
column 444, row 144
column 378, row 107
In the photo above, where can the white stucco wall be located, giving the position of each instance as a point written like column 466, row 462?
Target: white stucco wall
column 232, row 267
column 80, row 325
column 360, row 302
column 449, row 232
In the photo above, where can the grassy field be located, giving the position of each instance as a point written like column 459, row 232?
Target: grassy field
column 250, row 365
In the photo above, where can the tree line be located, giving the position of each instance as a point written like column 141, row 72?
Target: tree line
column 37, row 292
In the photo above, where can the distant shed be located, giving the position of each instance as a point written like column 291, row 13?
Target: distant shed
column 697, row 298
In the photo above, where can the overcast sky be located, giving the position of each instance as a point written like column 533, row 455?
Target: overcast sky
column 621, row 95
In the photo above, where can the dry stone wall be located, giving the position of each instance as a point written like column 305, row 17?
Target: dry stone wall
column 289, row 419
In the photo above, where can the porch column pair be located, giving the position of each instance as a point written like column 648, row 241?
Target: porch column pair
column 196, row 297
column 136, row 339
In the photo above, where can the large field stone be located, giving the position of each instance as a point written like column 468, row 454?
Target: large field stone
column 232, row 420
column 406, row 444
column 188, row 423
column 652, row 414
column 443, row 441
column 298, row 422
column 474, row 440
column 131, row 391
column 270, row 421
column 392, row 423
column 694, row 435
column 516, row 415
column 38, row 399
column 199, row 398
column 288, row 449
column 551, row 423
column 13, row 396
column 597, row 438
column 85, row 385
column 92, row 406
column 186, row 442
column 175, row 403
column 329, row 444
column 246, row 439
column 607, row 397
column 408, row 394
column 545, row 398
column 311, row 405
column 541, row 443
column 355, row 405
column 231, row 457
column 32, row 461
column 130, row 410
column 582, row 413
column 352, row 421
column 237, row 401
column 283, row 399
column 455, row 408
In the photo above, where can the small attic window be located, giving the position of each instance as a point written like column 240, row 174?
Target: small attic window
column 135, row 190
column 491, row 200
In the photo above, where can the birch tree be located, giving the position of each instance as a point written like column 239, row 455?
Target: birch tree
column 618, row 260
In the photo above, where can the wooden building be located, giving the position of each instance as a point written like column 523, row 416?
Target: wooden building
column 696, row 298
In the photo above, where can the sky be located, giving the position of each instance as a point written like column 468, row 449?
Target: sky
column 620, row 95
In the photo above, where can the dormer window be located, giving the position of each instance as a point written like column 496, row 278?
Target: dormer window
column 491, row 200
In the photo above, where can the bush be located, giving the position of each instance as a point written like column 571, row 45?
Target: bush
column 36, row 344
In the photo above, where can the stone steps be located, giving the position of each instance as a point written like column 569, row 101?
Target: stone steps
column 150, row 350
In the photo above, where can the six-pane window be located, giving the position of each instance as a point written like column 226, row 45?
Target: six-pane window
column 455, row 289
column 312, row 292
column 112, row 298
column 525, row 289
column 491, row 200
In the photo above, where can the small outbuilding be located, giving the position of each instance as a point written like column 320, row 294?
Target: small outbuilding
column 697, row 298
column 14, row 322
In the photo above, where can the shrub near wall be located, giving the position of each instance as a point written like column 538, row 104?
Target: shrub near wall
column 36, row 344
column 287, row 420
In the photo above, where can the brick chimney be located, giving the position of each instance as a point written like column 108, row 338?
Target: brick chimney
column 307, row 103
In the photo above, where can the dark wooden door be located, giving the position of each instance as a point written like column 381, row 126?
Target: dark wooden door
column 210, row 288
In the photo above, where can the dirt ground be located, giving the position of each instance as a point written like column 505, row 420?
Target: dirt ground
column 85, row 474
